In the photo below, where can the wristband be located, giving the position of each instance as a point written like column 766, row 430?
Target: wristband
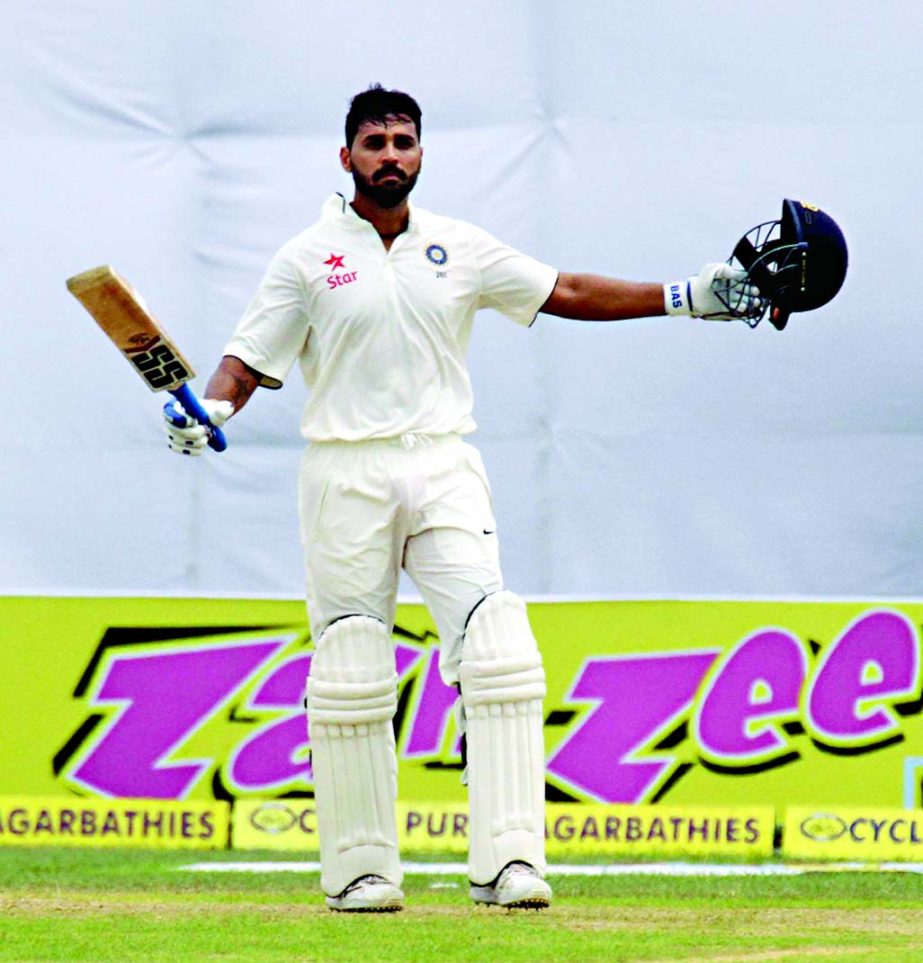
column 676, row 298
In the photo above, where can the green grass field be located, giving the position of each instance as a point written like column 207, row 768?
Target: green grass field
column 72, row 904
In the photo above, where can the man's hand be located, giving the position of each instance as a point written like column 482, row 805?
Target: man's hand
column 717, row 293
column 185, row 435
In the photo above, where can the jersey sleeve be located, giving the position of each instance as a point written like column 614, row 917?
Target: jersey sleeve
column 274, row 328
column 511, row 282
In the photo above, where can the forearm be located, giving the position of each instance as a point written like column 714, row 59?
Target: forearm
column 232, row 381
column 592, row 297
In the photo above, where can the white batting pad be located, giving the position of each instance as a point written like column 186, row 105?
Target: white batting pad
column 502, row 686
column 352, row 698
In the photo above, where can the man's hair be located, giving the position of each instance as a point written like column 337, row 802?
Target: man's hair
column 380, row 106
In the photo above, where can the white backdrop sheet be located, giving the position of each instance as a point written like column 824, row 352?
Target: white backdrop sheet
column 183, row 142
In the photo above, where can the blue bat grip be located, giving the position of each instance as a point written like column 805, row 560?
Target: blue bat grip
column 191, row 405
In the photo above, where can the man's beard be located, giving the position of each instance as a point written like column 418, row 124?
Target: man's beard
column 385, row 195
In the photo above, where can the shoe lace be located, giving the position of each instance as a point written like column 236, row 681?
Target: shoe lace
column 516, row 869
column 361, row 881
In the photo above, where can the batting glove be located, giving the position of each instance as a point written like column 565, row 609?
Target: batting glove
column 185, row 435
column 718, row 292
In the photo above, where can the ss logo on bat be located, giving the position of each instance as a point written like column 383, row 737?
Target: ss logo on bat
column 159, row 366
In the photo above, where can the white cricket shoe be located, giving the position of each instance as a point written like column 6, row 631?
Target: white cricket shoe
column 368, row 894
column 519, row 886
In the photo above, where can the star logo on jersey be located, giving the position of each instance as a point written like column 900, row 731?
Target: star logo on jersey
column 335, row 263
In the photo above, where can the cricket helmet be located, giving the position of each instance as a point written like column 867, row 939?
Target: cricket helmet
column 798, row 262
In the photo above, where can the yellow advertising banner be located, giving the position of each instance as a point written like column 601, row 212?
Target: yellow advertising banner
column 867, row 834
column 744, row 832
column 607, row 832
column 158, row 824
column 586, row 831
column 650, row 703
column 279, row 824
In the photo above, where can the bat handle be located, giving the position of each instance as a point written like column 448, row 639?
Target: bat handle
column 191, row 405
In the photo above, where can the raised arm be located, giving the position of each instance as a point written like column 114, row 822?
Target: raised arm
column 232, row 381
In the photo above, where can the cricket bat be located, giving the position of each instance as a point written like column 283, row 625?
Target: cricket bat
column 122, row 314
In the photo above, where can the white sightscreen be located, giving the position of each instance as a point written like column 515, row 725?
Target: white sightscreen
column 183, row 142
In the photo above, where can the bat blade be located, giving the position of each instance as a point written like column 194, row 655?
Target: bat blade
column 128, row 322
column 122, row 314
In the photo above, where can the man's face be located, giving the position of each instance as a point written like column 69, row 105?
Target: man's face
column 384, row 160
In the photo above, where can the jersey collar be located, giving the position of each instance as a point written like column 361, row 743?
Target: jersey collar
column 338, row 208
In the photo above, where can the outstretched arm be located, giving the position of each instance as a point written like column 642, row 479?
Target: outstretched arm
column 718, row 292
column 591, row 297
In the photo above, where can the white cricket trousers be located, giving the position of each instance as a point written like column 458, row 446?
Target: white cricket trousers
column 420, row 502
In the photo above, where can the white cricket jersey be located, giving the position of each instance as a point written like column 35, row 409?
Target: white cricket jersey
column 381, row 335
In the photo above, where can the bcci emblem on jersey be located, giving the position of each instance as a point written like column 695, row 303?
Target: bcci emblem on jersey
column 437, row 254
